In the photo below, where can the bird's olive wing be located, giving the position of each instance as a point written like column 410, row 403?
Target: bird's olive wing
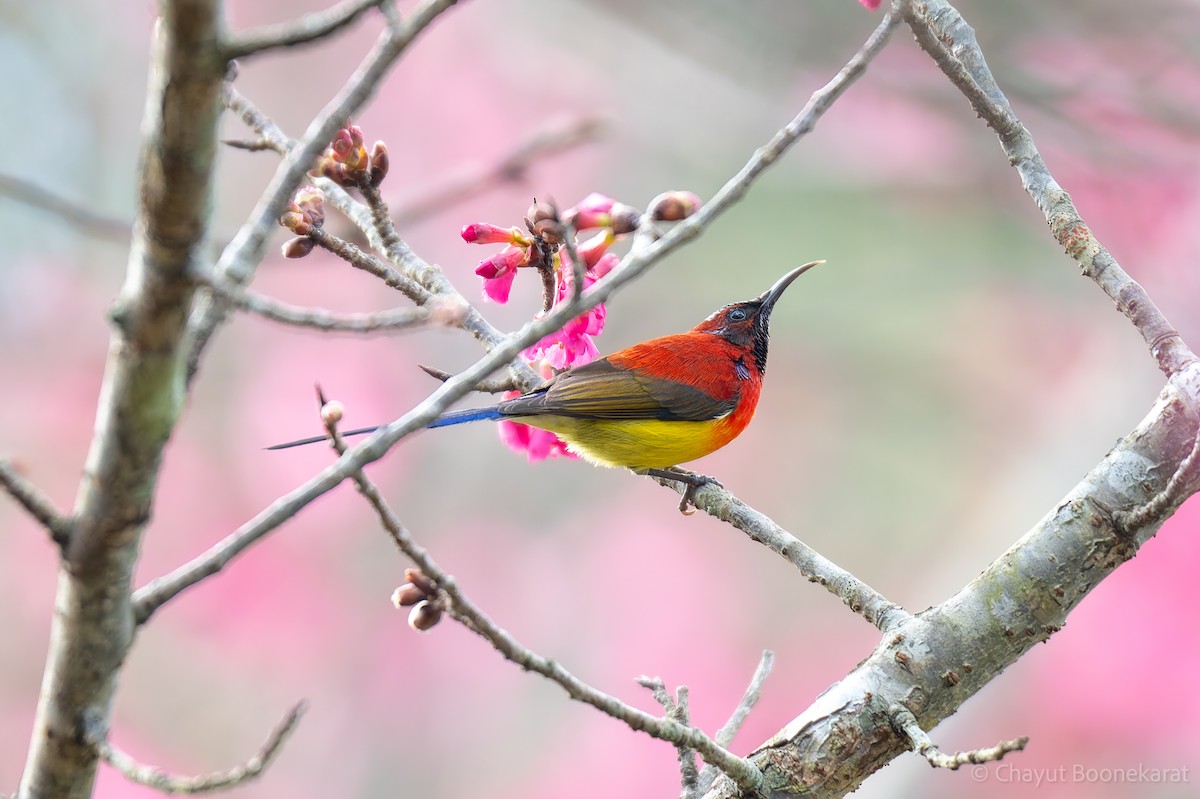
column 599, row 390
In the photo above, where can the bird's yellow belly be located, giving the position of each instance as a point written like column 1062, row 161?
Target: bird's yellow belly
column 634, row 443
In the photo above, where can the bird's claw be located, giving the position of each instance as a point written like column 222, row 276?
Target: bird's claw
column 687, row 504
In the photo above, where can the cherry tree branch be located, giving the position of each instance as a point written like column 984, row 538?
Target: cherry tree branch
column 31, row 498
column 171, row 784
column 305, row 30
column 950, row 42
column 924, row 746
column 320, row 319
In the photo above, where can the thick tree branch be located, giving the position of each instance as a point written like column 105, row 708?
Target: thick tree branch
column 307, row 29
column 139, row 403
column 171, row 784
column 950, row 42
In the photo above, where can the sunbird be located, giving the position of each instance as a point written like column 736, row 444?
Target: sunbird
column 655, row 405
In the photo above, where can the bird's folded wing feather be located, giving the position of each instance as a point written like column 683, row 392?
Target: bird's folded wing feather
column 600, row 390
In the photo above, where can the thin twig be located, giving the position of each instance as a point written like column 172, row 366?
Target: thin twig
column 319, row 318
column 257, row 121
column 492, row 386
column 77, row 215
column 726, row 734
column 950, row 42
column 368, row 263
column 309, row 28
column 39, row 506
column 164, row 782
column 510, row 168
column 906, row 723
column 749, row 699
column 677, row 710
column 463, row 610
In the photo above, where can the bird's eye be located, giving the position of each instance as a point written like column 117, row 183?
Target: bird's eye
column 737, row 315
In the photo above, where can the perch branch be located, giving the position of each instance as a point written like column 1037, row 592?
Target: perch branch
column 39, row 506
column 905, row 722
column 164, row 782
column 719, row 503
column 309, row 28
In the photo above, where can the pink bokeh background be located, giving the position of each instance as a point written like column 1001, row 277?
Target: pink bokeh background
column 931, row 394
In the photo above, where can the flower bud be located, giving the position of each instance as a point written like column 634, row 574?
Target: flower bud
column 539, row 211
column 483, row 233
column 379, row 163
column 671, row 206
column 624, row 218
column 298, row 247
column 424, row 616
column 331, row 412
column 407, row 595
column 418, row 578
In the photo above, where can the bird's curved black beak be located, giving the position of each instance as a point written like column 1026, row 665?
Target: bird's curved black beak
column 772, row 294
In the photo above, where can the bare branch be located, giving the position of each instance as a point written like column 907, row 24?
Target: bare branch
column 171, row 784
column 368, row 263
column 257, row 121
column 492, row 386
column 904, row 721
column 950, row 42
column 677, row 710
column 511, row 168
column 307, row 29
column 726, row 734
column 39, row 506
column 319, row 318
column 749, row 699
column 77, row 215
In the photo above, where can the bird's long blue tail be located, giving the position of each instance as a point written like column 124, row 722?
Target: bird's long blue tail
column 445, row 420
column 469, row 415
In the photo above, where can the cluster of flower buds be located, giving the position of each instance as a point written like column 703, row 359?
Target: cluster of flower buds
column 421, row 594
column 347, row 163
column 304, row 213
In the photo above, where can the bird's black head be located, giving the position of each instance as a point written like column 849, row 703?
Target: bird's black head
column 745, row 324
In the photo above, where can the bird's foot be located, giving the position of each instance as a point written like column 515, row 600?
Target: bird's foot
column 693, row 481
